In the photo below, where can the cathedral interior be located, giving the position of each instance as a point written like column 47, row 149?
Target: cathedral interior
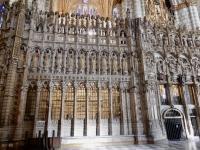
column 100, row 70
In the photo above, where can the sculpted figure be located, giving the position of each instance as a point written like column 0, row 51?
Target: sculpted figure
column 114, row 63
column 21, row 60
column 189, row 41
column 70, row 61
column 81, row 62
column 104, row 62
column 184, row 41
column 159, row 40
column 93, row 63
column 197, row 42
column 165, row 40
column 198, row 70
column 35, row 60
column 177, row 41
column 47, row 60
column 136, row 63
column 124, row 64
column 171, row 40
column 59, row 61
column 160, row 66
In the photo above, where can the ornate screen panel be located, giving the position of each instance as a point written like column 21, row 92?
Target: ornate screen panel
column 43, row 105
column 105, row 110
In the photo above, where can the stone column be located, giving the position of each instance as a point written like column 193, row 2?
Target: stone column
column 50, row 108
column 188, row 127
column 110, row 121
column 37, row 108
column 62, row 109
column 123, row 120
column 86, row 109
column 153, row 119
column 8, row 98
column 193, row 23
column 74, row 109
column 21, row 111
column 99, row 110
column 169, row 94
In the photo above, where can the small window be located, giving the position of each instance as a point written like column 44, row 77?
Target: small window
column 176, row 95
column 163, row 94
column 189, row 92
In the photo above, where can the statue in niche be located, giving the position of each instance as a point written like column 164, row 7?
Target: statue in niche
column 198, row 69
column 21, row 60
column 136, row 64
column 189, row 41
column 184, row 41
column 171, row 40
column 81, row 61
column 114, row 62
column 159, row 40
column 179, row 69
column 47, row 60
column 35, row 60
column 70, row 61
column 197, row 42
column 104, row 62
column 160, row 66
column 124, row 63
column 165, row 40
column 177, row 41
column 93, row 63
column 58, row 60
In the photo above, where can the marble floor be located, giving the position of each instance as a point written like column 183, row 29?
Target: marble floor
column 163, row 145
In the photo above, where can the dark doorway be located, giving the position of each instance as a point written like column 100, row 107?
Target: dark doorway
column 174, row 129
column 174, row 125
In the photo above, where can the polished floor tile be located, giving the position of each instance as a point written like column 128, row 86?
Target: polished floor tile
column 175, row 145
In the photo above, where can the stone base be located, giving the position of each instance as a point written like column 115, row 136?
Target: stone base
column 151, row 140
column 76, row 142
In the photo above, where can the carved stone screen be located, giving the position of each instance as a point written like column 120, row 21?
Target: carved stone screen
column 69, row 102
column 43, row 105
column 30, row 104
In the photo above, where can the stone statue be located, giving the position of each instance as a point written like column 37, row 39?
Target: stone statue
column 81, row 62
column 189, row 41
column 171, row 40
column 159, row 42
column 21, row 60
column 136, row 63
column 160, row 66
column 184, row 41
column 124, row 64
column 165, row 40
column 197, row 42
column 198, row 70
column 114, row 63
column 70, row 61
column 59, row 61
column 35, row 60
column 47, row 60
column 177, row 41
column 93, row 63
column 104, row 62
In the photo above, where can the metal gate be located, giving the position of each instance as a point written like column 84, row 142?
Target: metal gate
column 174, row 125
column 174, row 129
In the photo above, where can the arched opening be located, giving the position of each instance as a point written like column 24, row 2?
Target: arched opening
column 174, row 125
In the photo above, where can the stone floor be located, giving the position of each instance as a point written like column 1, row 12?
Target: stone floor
column 163, row 145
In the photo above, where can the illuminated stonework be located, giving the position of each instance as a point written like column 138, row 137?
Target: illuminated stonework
column 114, row 79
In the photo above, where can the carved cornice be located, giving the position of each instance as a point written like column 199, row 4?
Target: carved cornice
column 185, row 5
